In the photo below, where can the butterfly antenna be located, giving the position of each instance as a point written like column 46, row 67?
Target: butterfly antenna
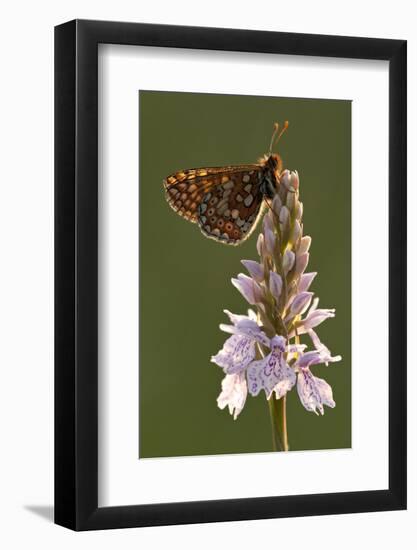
column 277, row 136
column 284, row 128
column 274, row 133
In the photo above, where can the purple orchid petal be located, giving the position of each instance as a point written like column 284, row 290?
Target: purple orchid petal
column 301, row 303
column 256, row 270
column 295, row 180
column 305, row 281
column 314, row 319
column 288, row 261
column 237, row 352
column 308, row 359
column 272, row 373
column 233, row 394
column 275, row 284
column 284, row 218
column 285, row 178
column 249, row 288
column 268, row 222
column 314, row 392
column 322, row 349
column 276, row 204
column 301, row 263
column 269, row 240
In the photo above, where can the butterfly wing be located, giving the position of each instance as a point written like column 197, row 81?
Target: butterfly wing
column 229, row 211
column 225, row 201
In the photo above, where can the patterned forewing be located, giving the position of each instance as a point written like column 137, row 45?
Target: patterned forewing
column 185, row 189
column 229, row 210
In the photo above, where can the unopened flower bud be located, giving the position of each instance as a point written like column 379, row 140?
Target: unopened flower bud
column 290, row 202
column 301, row 303
column 284, row 218
column 301, row 263
column 256, row 270
column 285, row 178
column 276, row 204
column 270, row 241
column 249, row 289
column 304, row 245
column 288, row 261
column 305, row 281
column 268, row 222
column 295, row 232
column 275, row 284
column 295, row 181
column 260, row 244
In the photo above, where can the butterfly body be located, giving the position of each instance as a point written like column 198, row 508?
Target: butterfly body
column 226, row 202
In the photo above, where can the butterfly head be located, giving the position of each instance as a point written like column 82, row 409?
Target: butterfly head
column 272, row 162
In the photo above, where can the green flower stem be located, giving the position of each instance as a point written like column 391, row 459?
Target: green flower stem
column 278, row 415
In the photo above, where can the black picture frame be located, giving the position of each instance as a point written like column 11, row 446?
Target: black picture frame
column 76, row 272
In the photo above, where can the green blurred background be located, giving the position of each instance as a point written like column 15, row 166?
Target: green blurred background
column 185, row 277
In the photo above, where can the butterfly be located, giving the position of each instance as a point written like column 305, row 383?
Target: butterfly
column 226, row 201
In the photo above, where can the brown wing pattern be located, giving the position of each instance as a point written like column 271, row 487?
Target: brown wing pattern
column 229, row 210
column 185, row 189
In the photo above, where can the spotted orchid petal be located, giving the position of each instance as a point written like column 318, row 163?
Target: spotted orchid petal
column 245, row 325
column 272, row 373
column 314, row 392
column 237, row 352
column 233, row 394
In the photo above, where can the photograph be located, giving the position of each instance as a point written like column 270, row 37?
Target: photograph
column 244, row 274
column 208, row 273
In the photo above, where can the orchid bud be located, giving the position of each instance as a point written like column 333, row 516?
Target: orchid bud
column 304, row 245
column 256, row 270
column 288, row 261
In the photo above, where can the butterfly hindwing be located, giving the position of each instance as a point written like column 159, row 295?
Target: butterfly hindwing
column 229, row 210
